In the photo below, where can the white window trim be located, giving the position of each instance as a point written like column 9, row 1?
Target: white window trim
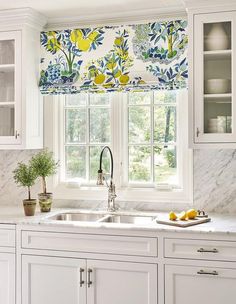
column 69, row 191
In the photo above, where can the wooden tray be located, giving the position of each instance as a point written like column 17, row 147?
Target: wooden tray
column 178, row 223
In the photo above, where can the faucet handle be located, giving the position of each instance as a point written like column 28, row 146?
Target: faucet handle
column 100, row 178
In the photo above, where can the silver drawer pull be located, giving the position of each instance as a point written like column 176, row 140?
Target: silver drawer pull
column 89, row 277
column 214, row 250
column 81, row 281
column 214, row 273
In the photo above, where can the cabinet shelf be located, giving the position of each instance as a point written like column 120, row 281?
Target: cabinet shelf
column 218, row 98
column 7, row 67
column 7, row 103
column 217, row 55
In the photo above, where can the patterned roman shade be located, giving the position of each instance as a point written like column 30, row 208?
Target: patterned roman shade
column 115, row 58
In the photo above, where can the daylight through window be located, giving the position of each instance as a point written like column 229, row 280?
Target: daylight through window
column 149, row 148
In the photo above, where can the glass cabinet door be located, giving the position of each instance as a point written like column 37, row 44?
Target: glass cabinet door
column 213, row 78
column 10, row 87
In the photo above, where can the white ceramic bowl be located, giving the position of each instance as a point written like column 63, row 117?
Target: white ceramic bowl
column 217, row 86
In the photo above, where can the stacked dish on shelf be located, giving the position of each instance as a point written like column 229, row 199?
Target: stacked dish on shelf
column 217, row 77
column 220, row 124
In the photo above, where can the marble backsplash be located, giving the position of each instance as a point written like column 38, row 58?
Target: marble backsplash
column 214, row 182
column 10, row 193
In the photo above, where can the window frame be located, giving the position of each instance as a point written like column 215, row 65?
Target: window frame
column 64, row 190
column 87, row 143
column 125, row 172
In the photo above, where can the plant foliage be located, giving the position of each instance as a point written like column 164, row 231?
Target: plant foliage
column 44, row 165
column 25, row 176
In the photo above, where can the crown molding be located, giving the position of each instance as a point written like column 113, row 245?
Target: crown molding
column 212, row 5
column 126, row 17
column 21, row 17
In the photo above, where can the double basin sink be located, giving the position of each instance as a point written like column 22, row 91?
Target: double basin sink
column 103, row 218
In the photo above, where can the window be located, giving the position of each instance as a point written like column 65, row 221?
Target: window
column 87, row 128
column 152, row 141
column 147, row 132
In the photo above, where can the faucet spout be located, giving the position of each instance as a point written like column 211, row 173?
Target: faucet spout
column 111, row 187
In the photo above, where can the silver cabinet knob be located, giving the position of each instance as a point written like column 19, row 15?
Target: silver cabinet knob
column 16, row 134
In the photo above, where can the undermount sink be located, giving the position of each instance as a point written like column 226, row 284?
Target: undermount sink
column 77, row 217
column 129, row 219
column 102, row 218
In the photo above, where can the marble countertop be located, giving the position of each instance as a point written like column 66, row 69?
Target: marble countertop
column 220, row 223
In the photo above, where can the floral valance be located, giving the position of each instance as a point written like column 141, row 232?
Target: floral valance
column 115, row 58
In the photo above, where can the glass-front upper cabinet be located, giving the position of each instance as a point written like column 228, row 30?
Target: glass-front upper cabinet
column 214, row 73
column 10, row 79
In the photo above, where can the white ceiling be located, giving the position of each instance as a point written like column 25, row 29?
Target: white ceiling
column 72, row 8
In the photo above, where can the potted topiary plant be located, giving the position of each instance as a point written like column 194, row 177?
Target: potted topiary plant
column 44, row 166
column 25, row 176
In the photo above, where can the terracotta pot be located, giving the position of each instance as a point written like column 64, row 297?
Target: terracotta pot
column 29, row 206
column 45, row 201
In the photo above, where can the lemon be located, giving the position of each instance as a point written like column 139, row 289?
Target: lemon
column 76, row 35
column 83, row 44
column 118, row 41
column 183, row 216
column 92, row 36
column 172, row 216
column 99, row 79
column 124, row 79
column 191, row 214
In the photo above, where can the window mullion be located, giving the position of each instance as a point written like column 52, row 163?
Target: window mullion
column 87, row 140
column 115, row 135
column 152, row 138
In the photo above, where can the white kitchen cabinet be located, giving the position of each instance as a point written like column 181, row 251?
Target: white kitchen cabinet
column 212, row 72
column 10, row 77
column 205, row 285
column 121, row 282
column 7, row 278
column 47, row 280
column 21, row 105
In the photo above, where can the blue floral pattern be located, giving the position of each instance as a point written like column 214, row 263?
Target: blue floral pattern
column 120, row 58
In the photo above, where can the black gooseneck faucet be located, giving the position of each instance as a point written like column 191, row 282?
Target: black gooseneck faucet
column 111, row 187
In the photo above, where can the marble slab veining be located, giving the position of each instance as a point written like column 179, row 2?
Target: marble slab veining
column 215, row 180
column 220, row 224
column 214, row 183
column 10, row 193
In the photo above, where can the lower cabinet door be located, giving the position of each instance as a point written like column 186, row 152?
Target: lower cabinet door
column 7, row 278
column 52, row 280
column 111, row 282
column 191, row 284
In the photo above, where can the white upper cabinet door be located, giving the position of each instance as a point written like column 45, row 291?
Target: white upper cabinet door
column 52, row 280
column 111, row 282
column 10, row 88
column 190, row 284
column 7, row 278
column 214, row 74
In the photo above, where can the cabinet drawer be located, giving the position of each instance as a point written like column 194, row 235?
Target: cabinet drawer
column 200, row 249
column 7, row 238
column 139, row 246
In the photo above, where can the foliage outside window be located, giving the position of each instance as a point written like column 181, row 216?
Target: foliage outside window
column 152, row 137
column 150, row 141
column 86, row 131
